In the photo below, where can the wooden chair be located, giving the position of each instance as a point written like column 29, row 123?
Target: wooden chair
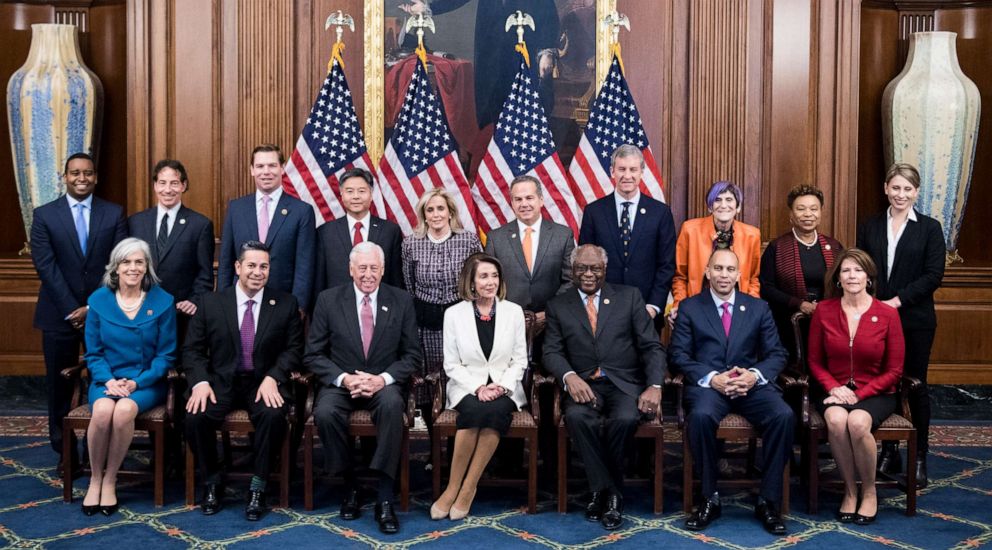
column 523, row 426
column 897, row 427
column 156, row 421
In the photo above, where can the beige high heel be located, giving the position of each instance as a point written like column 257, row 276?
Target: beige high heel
column 437, row 512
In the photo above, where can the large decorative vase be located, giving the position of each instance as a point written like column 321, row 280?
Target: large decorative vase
column 930, row 116
column 55, row 105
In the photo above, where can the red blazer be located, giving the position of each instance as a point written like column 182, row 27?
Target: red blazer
column 875, row 358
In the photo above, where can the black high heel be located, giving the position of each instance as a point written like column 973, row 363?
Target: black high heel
column 864, row 520
column 90, row 510
column 108, row 510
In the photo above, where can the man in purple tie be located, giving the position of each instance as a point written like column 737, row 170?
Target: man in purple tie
column 241, row 346
column 726, row 344
column 363, row 347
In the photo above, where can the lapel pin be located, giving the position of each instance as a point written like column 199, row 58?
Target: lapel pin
column 606, row 301
column 384, row 308
column 182, row 221
column 149, row 312
column 874, row 319
column 743, row 308
column 827, row 247
column 643, row 211
column 272, row 302
column 284, row 212
column 513, row 235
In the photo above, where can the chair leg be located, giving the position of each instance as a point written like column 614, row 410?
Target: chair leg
column 308, row 467
column 562, row 471
column 813, row 471
column 68, row 440
column 659, row 472
column 226, row 440
column 190, row 477
column 752, row 452
column 284, row 470
column 911, row 474
column 159, row 458
column 436, row 461
column 405, row 472
column 687, row 488
column 532, row 473
column 786, row 478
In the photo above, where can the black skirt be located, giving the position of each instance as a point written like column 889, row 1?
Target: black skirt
column 496, row 415
column 879, row 407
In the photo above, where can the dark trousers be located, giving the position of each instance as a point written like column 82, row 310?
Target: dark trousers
column 602, row 432
column 61, row 349
column 764, row 408
column 270, row 426
column 331, row 414
column 918, row 345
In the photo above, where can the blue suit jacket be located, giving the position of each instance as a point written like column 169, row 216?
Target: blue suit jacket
column 291, row 238
column 186, row 265
column 699, row 346
column 68, row 276
column 651, row 264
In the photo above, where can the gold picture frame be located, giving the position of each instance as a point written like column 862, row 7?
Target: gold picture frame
column 375, row 61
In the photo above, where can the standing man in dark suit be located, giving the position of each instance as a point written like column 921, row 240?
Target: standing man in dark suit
column 181, row 240
column 336, row 238
column 726, row 344
column 285, row 224
column 71, row 240
column 363, row 347
column 601, row 345
column 242, row 344
column 637, row 232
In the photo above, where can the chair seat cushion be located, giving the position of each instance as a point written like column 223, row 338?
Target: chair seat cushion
column 736, row 421
column 893, row 422
column 153, row 414
column 521, row 419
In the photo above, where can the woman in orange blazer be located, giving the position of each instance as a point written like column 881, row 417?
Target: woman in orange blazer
column 701, row 236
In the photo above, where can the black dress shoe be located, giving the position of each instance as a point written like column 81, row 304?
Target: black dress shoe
column 256, row 505
column 91, row 510
column 769, row 517
column 704, row 515
column 108, row 510
column 386, row 517
column 351, row 508
column 594, row 510
column 890, row 461
column 211, row 500
column 921, row 472
column 613, row 511
column 863, row 520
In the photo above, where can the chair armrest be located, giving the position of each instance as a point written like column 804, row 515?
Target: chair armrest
column 77, row 375
column 173, row 378
column 437, row 404
column 908, row 386
column 77, row 371
column 307, row 381
column 798, row 382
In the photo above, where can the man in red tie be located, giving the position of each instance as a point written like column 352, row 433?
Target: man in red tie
column 363, row 347
column 244, row 366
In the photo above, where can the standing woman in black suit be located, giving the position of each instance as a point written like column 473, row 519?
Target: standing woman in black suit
column 909, row 249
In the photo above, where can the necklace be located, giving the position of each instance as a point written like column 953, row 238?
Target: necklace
column 485, row 316
column 129, row 308
column 808, row 245
column 857, row 314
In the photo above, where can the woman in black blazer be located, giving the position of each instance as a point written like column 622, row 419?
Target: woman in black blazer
column 909, row 250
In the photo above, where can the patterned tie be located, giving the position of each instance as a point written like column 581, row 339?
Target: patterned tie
column 247, row 338
column 528, row 248
column 81, row 230
column 625, row 228
column 591, row 311
column 358, row 234
column 725, row 317
column 368, row 323
column 263, row 219
column 163, row 233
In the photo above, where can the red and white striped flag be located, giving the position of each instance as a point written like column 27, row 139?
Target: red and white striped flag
column 613, row 121
column 331, row 143
column 421, row 155
column 522, row 144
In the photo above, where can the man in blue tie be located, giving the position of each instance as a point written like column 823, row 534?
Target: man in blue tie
column 71, row 240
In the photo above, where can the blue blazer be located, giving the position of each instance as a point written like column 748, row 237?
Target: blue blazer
column 142, row 349
column 68, row 276
column 186, row 264
column 699, row 345
column 291, row 237
column 651, row 264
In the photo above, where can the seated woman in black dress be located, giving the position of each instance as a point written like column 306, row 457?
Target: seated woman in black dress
column 485, row 354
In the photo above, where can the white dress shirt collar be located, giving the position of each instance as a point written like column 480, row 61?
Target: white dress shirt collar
column 242, row 300
column 632, row 211
column 87, row 202
column 719, row 301
column 172, row 212
column 366, row 223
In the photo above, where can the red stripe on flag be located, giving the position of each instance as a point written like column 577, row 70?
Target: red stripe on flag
column 556, row 196
column 397, row 189
column 312, row 187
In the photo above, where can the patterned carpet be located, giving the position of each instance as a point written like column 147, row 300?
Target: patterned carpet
column 954, row 512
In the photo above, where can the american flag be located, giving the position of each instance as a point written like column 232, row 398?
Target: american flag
column 421, row 155
column 613, row 121
column 522, row 144
column 330, row 144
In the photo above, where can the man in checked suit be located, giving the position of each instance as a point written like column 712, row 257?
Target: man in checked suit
column 242, row 344
column 336, row 238
column 182, row 241
column 285, row 224
column 726, row 344
column 71, row 240
column 637, row 232
column 601, row 345
column 363, row 347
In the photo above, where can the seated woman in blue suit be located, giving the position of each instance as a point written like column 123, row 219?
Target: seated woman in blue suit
column 130, row 345
column 485, row 354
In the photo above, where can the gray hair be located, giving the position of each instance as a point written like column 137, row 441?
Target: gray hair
column 624, row 151
column 120, row 252
column 600, row 251
column 526, row 178
column 366, row 247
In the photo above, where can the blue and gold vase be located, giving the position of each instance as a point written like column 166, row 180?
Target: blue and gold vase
column 55, row 104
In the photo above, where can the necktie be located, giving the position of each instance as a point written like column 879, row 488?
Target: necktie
column 368, row 323
column 163, row 233
column 81, row 230
column 725, row 317
column 591, row 312
column 358, row 234
column 247, row 338
column 528, row 244
column 263, row 219
column 625, row 228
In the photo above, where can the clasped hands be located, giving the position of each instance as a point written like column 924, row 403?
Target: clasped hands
column 363, row 384
column 490, row 392
column 734, row 383
column 841, row 395
column 119, row 387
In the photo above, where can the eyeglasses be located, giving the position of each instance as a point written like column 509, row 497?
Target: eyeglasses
column 595, row 269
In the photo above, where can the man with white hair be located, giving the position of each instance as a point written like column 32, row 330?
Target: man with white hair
column 363, row 347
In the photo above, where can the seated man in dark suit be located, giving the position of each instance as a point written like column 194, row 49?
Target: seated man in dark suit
column 601, row 344
column 363, row 347
column 231, row 368
column 726, row 344
column 336, row 238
